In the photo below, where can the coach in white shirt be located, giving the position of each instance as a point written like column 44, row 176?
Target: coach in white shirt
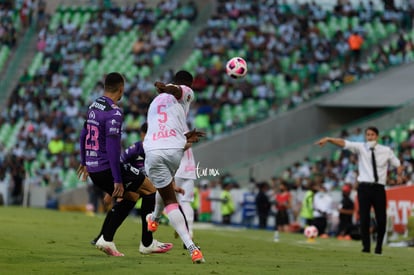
column 373, row 162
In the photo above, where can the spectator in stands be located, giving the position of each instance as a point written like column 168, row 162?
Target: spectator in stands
column 56, row 145
column 355, row 42
column 357, row 135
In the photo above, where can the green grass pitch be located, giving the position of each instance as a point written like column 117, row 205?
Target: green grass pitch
column 40, row 241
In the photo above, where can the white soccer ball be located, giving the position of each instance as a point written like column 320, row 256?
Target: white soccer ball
column 311, row 232
column 236, row 67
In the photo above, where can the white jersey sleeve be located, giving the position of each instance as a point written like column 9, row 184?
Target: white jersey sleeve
column 186, row 98
column 166, row 124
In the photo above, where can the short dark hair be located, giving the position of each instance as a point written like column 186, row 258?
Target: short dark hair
column 144, row 128
column 183, row 78
column 113, row 81
column 372, row 128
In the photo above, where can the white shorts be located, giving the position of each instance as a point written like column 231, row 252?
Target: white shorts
column 161, row 165
column 188, row 186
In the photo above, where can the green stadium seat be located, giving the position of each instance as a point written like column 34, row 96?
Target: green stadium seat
column 132, row 138
column 156, row 59
column 145, row 71
column 250, row 108
column 324, row 69
column 411, row 125
column 282, row 91
column 285, row 64
column 218, row 128
column 239, row 116
column 262, row 108
column 202, row 121
column 294, row 86
column 336, row 154
column 391, row 28
column 226, row 115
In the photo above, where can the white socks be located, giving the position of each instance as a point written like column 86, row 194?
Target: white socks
column 189, row 215
column 178, row 222
column 159, row 207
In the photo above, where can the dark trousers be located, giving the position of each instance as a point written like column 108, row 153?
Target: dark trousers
column 263, row 220
column 372, row 195
column 320, row 223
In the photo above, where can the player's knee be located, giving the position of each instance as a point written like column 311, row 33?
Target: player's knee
column 131, row 196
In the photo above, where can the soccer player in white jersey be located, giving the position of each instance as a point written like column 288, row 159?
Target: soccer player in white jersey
column 165, row 143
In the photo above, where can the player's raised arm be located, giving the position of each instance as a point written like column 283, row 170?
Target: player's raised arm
column 171, row 89
column 335, row 141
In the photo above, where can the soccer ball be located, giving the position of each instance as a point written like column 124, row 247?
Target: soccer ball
column 236, row 67
column 311, row 232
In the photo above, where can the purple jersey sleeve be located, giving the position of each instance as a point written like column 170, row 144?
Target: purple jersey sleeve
column 113, row 145
column 82, row 145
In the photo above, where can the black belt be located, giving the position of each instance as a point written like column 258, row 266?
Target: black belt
column 370, row 183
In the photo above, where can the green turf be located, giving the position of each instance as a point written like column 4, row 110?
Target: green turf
column 38, row 241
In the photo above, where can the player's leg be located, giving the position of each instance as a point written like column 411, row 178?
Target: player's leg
column 118, row 214
column 132, row 180
column 177, row 220
column 160, row 167
column 107, row 201
column 364, row 201
column 185, row 201
column 379, row 203
column 148, row 243
column 147, row 192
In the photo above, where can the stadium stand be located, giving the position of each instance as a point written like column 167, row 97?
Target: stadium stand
column 9, row 31
column 282, row 74
column 45, row 106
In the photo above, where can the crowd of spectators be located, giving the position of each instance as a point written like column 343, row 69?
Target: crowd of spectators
column 50, row 100
column 17, row 16
column 294, row 51
column 8, row 31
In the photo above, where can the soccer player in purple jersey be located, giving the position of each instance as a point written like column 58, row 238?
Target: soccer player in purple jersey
column 134, row 156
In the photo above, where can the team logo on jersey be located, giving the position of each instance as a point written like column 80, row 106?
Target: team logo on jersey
column 118, row 113
column 97, row 106
column 92, row 115
column 113, row 122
